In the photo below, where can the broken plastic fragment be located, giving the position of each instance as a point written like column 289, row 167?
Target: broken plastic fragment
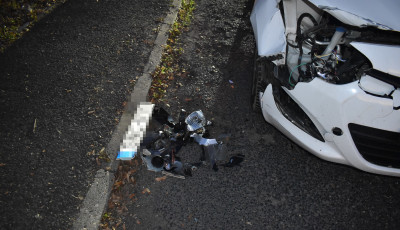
column 235, row 160
column 195, row 121
column 149, row 165
column 162, row 116
column 210, row 153
column 173, row 175
column 203, row 141
column 157, row 161
column 146, row 152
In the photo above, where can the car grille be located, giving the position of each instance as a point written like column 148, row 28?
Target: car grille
column 376, row 145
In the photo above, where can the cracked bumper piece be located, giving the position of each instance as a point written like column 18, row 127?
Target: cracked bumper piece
column 359, row 129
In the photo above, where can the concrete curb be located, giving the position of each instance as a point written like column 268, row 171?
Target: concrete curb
column 96, row 199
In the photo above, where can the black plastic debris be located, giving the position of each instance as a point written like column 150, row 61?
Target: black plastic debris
column 161, row 147
column 157, row 161
column 235, row 161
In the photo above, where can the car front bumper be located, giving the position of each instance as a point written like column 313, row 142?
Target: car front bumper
column 331, row 106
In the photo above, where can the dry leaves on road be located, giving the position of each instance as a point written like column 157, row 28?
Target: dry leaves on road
column 146, row 190
column 158, row 179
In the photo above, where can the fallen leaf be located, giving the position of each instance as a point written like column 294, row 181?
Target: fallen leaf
column 115, row 198
column 2, row 164
column 146, row 190
column 158, row 179
column 138, row 221
column 117, row 184
column 34, row 126
column 132, row 195
column 102, row 151
column 111, row 204
column 127, row 177
column 232, row 86
column 188, row 99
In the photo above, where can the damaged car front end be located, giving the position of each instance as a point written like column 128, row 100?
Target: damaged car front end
column 327, row 75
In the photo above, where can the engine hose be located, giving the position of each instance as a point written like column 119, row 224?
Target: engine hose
column 300, row 37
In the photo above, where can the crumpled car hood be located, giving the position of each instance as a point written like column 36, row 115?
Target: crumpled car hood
column 381, row 14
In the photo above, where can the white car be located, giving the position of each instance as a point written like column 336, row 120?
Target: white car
column 327, row 75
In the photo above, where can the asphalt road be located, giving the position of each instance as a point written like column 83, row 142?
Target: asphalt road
column 62, row 91
column 279, row 185
column 71, row 75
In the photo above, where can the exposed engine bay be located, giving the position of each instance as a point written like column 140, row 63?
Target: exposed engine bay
column 327, row 75
column 322, row 49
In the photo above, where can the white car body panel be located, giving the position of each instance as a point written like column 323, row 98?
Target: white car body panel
column 331, row 105
column 382, row 14
column 335, row 106
column 374, row 86
column 268, row 26
column 384, row 58
column 396, row 98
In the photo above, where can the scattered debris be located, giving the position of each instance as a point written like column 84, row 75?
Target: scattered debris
column 160, row 147
column 172, row 175
column 146, row 190
column 195, row 121
column 150, row 167
column 34, row 126
column 235, row 160
column 158, row 179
